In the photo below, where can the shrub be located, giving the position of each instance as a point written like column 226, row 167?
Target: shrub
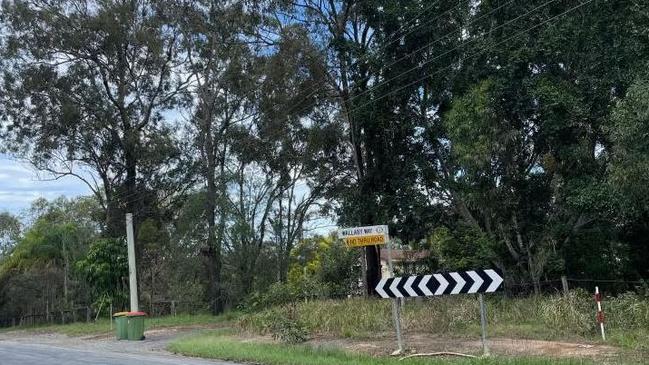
column 288, row 330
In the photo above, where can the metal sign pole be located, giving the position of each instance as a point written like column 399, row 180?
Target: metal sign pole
column 396, row 314
column 483, row 325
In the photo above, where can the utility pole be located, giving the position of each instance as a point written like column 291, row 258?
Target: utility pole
column 132, row 275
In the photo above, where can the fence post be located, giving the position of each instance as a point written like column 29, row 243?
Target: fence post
column 564, row 284
column 87, row 314
column 111, row 315
column 173, row 308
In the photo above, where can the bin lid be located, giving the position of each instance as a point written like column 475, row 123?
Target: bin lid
column 135, row 314
column 120, row 314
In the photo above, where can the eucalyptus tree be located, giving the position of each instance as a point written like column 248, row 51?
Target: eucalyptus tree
column 10, row 230
column 223, row 67
column 301, row 142
column 86, row 84
column 375, row 52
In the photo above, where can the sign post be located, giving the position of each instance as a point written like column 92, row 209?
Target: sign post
column 483, row 325
column 371, row 236
column 447, row 283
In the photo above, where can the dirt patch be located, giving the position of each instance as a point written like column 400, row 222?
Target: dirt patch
column 426, row 343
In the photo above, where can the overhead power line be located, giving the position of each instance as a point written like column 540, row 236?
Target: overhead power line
column 448, row 51
column 316, row 87
column 470, row 56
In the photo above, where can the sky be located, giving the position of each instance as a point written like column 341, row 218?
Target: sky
column 20, row 185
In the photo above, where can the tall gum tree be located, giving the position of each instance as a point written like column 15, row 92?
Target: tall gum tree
column 374, row 51
column 85, row 84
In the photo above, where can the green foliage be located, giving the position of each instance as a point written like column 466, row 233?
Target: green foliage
column 40, row 271
column 324, row 260
column 461, row 249
column 630, row 160
column 106, row 269
column 10, row 229
column 48, row 243
column 472, row 126
column 288, row 330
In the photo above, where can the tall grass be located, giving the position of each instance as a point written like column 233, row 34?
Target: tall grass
column 547, row 317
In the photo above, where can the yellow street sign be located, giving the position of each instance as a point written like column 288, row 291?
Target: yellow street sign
column 365, row 236
column 358, row 241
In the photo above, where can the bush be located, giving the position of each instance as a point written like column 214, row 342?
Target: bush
column 282, row 322
column 288, row 330
column 284, row 293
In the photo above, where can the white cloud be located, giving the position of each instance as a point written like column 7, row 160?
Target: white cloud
column 20, row 185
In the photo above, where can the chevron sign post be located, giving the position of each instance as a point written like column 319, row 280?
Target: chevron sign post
column 464, row 282
column 371, row 236
column 448, row 283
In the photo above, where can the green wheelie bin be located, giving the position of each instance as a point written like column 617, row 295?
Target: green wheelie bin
column 121, row 329
column 135, row 325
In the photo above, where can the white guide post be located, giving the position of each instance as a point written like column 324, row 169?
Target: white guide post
column 396, row 313
column 132, row 274
column 600, row 313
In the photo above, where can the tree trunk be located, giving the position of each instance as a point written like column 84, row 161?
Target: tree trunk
column 373, row 273
column 214, row 194
column 210, row 215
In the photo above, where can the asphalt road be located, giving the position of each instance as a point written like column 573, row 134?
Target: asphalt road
column 21, row 353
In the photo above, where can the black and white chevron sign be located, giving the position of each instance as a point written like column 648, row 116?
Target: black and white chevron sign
column 464, row 282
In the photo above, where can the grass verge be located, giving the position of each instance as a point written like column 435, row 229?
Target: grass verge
column 102, row 326
column 219, row 345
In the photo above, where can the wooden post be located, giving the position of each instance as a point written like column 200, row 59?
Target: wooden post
column 111, row 315
column 564, row 284
column 87, row 314
column 173, row 308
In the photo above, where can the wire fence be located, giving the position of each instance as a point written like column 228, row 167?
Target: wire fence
column 87, row 313
column 171, row 307
column 564, row 284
